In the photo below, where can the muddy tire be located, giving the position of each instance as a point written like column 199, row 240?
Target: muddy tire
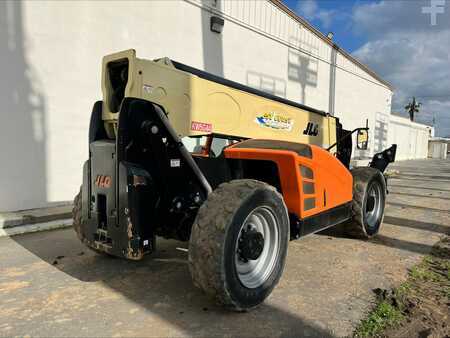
column 369, row 197
column 238, row 243
column 76, row 215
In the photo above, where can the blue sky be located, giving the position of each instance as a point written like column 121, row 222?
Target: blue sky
column 340, row 22
column 398, row 41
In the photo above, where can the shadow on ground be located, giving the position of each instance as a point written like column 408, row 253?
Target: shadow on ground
column 410, row 223
column 161, row 284
column 402, row 244
column 383, row 240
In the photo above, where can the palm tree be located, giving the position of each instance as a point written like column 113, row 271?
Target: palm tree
column 413, row 107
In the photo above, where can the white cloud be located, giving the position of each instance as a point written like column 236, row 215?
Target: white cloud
column 310, row 10
column 405, row 49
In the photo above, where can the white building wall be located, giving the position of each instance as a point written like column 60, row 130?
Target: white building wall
column 438, row 148
column 51, row 56
column 411, row 138
column 359, row 99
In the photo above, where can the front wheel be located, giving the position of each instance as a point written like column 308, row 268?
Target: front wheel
column 369, row 198
column 239, row 243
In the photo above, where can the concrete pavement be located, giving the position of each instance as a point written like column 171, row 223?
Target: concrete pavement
column 51, row 285
column 33, row 220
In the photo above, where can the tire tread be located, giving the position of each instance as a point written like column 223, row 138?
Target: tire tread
column 206, row 245
column 361, row 177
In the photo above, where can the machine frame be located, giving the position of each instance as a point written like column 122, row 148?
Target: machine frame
column 141, row 181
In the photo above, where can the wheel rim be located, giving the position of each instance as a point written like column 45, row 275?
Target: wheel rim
column 374, row 205
column 252, row 273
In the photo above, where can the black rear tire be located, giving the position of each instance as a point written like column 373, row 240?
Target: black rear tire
column 76, row 215
column 214, row 246
column 369, row 198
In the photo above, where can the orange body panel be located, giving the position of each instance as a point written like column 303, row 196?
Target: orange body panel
column 332, row 182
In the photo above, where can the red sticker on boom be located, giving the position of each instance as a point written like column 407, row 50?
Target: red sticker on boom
column 201, row 126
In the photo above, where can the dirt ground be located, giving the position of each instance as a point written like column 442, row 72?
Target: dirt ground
column 424, row 299
column 50, row 285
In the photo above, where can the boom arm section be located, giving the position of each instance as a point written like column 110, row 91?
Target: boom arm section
column 199, row 103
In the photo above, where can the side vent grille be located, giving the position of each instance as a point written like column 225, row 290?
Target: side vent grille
column 308, row 188
column 309, row 203
column 306, row 172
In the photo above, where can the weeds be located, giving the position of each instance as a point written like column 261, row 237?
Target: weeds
column 382, row 316
column 428, row 279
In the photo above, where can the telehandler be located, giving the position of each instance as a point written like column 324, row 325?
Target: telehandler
column 180, row 153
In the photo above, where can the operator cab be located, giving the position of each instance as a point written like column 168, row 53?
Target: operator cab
column 207, row 152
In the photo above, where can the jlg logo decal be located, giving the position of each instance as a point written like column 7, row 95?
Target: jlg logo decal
column 312, row 129
column 103, row 181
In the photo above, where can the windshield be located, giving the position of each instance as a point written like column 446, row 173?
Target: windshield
column 206, row 145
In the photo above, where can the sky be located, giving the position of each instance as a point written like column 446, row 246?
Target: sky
column 397, row 40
